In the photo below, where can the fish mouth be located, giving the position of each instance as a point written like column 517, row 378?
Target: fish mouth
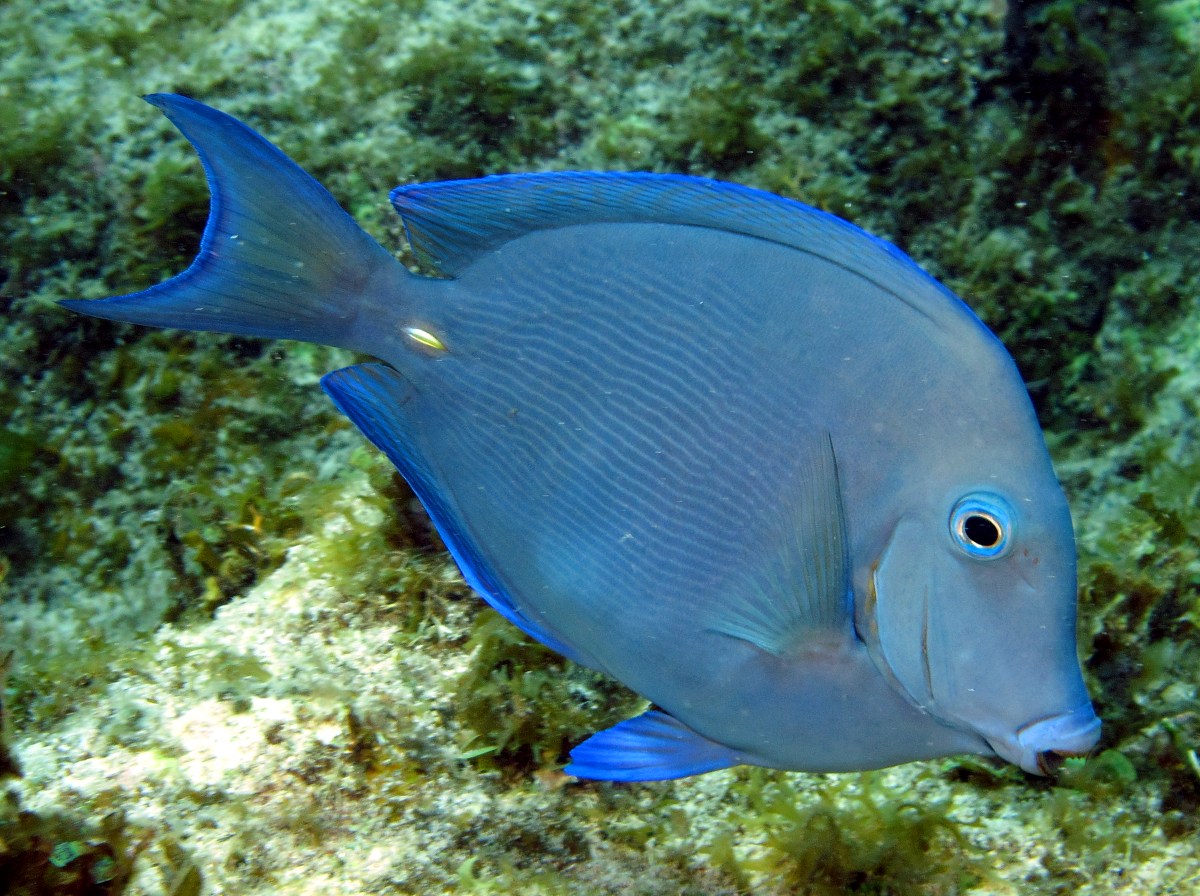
column 1041, row 746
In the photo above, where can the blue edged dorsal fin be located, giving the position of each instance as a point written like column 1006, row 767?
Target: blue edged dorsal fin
column 371, row 395
column 450, row 223
column 802, row 586
column 650, row 747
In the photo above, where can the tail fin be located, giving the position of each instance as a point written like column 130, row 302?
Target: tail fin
column 279, row 257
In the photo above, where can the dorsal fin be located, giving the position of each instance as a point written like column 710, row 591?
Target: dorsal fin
column 450, row 223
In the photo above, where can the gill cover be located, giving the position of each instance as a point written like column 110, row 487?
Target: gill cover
column 980, row 633
column 899, row 628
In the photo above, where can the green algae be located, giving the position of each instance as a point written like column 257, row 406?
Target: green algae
column 523, row 706
column 859, row 836
column 58, row 853
column 199, row 551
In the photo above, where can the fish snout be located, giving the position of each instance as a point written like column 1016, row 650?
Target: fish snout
column 1040, row 746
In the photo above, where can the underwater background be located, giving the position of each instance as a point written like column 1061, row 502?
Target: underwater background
column 237, row 658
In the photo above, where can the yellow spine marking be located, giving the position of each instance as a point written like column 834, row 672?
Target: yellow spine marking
column 425, row 338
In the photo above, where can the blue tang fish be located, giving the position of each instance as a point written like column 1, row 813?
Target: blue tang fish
column 732, row 451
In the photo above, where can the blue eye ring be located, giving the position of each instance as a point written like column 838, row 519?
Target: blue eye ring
column 981, row 525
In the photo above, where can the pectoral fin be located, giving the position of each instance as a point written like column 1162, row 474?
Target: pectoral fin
column 801, row 584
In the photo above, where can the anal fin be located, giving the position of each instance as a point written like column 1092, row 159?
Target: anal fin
column 373, row 396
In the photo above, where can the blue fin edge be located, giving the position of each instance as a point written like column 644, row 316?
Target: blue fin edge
column 650, row 747
column 448, row 223
column 368, row 394
column 279, row 258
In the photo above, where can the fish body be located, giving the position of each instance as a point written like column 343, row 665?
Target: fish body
column 728, row 449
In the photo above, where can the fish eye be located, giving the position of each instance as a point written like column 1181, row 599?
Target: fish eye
column 981, row 525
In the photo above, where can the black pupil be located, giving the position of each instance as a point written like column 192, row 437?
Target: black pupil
column 981, row 531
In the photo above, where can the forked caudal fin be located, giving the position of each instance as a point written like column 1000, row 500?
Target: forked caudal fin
column 279, row 257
